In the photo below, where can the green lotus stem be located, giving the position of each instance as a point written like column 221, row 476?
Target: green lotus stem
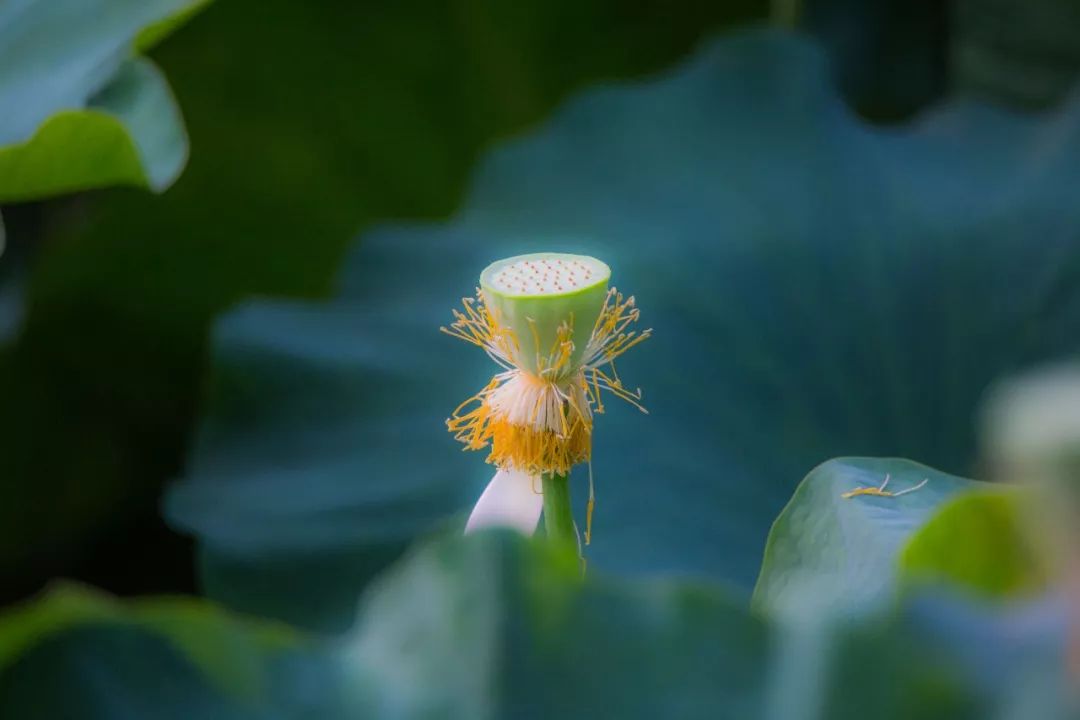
column 558, row 515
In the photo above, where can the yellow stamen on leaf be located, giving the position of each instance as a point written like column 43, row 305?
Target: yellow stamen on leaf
column 880, row 490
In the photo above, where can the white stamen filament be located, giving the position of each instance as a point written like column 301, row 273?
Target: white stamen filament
column 523, row 399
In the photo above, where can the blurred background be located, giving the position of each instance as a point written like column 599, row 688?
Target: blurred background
column 877, row 202
column 311, row 121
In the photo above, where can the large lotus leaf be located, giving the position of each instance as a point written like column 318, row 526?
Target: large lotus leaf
column 311, row 120
column 818, row 288
column 74, row 653
column 829, row 551
column 78, row 111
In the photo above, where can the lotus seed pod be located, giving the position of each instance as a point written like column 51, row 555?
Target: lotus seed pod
column 555, row 329
column 536, row 295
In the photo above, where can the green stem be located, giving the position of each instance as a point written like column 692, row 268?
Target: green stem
column 558, row 515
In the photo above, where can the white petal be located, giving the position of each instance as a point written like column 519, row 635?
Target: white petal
column 512, row 499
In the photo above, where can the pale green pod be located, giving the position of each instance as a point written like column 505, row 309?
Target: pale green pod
column 533, row 295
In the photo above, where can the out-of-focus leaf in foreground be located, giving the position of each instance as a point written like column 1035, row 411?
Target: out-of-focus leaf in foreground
column 495, row 627
column 492, row 626
column 949, row 562
column 847, row 556
column 837, row 553
column 75, row 653
column 498, row 627
column 819, row 288
column 79, row 110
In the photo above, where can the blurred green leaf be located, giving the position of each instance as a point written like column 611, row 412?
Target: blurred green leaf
column 308, row 121
column 498, row 627
column 976, row 541
column 131, row 134
column 827, row 552
column 78, row 653
column 1011, row 654
column 492, row 626
column 818, row 288
column 875, row 668
column 79, row 112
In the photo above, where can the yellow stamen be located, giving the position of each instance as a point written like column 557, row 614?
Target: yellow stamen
column 880, row 490
column 542, row 422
